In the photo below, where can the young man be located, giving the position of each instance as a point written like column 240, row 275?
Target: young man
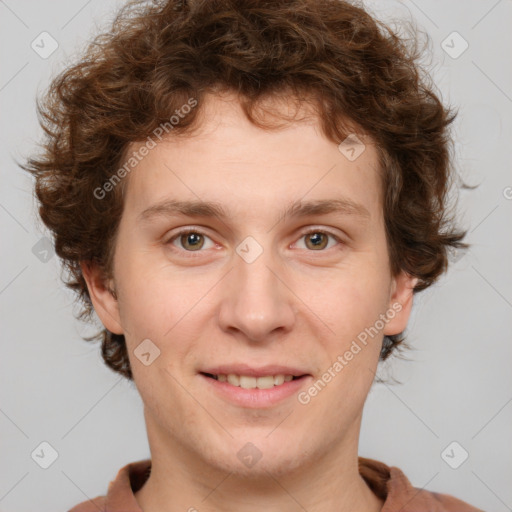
column 248, row 193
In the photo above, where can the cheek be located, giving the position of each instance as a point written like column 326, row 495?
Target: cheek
column 153, row 298
column 167, row 307
column 352, row 309
column 348, row 300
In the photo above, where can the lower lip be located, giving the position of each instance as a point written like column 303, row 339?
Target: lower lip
column 256, row 398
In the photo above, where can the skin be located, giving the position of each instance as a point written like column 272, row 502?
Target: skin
column 296, row 304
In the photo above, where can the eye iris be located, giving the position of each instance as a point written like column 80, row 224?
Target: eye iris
column 190, row 241
column 317, row 240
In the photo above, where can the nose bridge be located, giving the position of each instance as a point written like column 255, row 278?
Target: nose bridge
column 256, row 301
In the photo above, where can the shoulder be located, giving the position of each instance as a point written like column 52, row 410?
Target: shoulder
column 412, row 498
column 390, row 484
column 120, row 496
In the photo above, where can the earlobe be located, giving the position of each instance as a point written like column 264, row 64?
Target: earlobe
column 103, row 297
column 400, row 303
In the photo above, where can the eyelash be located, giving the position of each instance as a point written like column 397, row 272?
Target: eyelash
column 189, row 230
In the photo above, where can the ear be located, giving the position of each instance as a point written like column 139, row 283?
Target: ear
column 400, row 302
column 103, row 299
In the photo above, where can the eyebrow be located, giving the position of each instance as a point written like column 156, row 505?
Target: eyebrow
column 297, row 209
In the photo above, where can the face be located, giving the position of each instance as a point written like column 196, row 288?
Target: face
column 245, row 289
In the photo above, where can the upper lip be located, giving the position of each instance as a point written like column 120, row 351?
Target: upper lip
column 262, row 371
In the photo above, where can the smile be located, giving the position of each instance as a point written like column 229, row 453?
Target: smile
column 250, row 382
column 250, row 391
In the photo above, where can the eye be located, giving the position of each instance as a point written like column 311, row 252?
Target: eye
column 190, row 240
column 318, row 240
column 193, row 240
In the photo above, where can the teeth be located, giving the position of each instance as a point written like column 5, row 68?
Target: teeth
column 279, row 379
column 234, row 380
column 247, row 382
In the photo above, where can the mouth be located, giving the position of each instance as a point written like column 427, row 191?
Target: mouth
column 254, row 382
column 247, row 386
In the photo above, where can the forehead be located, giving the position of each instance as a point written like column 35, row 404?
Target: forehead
column 228, row 159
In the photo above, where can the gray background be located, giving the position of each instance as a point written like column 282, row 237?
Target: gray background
column 457, row 384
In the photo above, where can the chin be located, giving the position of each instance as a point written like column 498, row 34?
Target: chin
column 256, row 458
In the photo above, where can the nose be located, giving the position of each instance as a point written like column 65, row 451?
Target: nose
column 257, row 301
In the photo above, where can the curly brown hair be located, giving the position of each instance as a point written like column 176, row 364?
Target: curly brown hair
column 157, row 55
